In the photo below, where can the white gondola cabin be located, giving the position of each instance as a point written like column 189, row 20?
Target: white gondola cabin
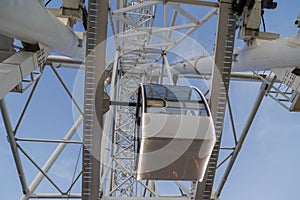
column 175, row 133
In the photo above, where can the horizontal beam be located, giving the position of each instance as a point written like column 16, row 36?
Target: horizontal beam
column 47, row 166
column 55, row 196
column 49, row 141
column 122, row 103
column 31, row 22
column 234, row 76
column 15, row 69
column 198, row 3
column 134, row 7
column 65, row 62
column 6, row 47
column 148, row 198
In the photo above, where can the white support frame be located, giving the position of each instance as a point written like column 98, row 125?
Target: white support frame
column 134, row 66
column 136, row 55
column 29, row 191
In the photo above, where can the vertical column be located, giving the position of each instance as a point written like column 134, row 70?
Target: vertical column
column 13, row 146
column 93, row 97
column 219, row 88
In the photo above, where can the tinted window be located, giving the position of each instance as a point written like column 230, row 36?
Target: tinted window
column 174, row 100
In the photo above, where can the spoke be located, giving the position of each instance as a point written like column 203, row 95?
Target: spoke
column 26, row 105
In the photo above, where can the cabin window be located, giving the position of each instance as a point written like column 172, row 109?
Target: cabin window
column 176, row 100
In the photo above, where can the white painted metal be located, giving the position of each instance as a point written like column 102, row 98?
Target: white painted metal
column 175, row 137
column 94, row 98
column 185, row 136
column 219, row 89
column 262, row 55
column 192, row 29
column 123, row 175
column 38, row 179
column 170, row 126
column 168, row 70
column 47, row 30
column 135, row 7
column 284, row 87
column 184, row 13
column 287, row 77
column 135, row 39
column 16, row 68
column 13, row 145
column 55, row 196
column 122, row 181
column 198, row 2
column 73, row 4
column 65, row 62
column 260, row 96
column 133, row 55
column 106, row 149
column 6, row 47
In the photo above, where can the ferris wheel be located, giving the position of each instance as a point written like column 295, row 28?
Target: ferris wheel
column 130, row 99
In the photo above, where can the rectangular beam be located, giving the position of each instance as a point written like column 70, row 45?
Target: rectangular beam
column 219, row 89
column 197, row 2
column 16, row 68
column 6, row 47
column 93, row 97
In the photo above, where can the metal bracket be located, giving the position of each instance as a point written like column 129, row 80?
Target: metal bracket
column 250, row 21
column 34, row 75
column 283, row 87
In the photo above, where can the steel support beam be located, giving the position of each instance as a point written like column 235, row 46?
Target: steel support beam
column 184, row 13
column 13, row 145
column 6, row 47
column 135, row 7
column 93, row 97
column 65, row 62
column 194, row 28
column 108, row 127
column 48, row 141
column 55, row 196
column 168, row 70
column 38, row 179
column 196, row 2
column 219, row 88
column 15, row 69
column 260, row 96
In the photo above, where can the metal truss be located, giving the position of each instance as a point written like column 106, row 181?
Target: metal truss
column 219, row 88
column 138, row 17
column 123, row 164
column 139, row 37
column 18, row 141
column 142, row 55
column 284, row 87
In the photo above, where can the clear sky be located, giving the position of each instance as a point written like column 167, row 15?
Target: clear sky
column 267, row 167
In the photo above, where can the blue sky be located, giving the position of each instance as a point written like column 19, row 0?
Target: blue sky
column 267, row 167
